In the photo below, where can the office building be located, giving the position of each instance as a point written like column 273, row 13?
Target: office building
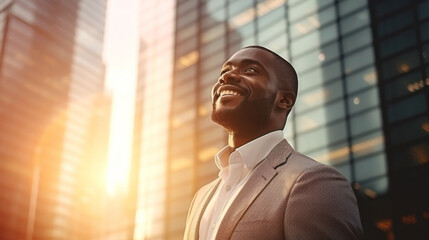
column 400, row 39
column 362, row 105
column 153, row 100
column 51, row 83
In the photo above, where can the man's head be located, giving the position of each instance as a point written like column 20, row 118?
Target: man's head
column 255, row 91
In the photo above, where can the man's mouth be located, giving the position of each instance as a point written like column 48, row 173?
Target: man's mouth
column 227, row 92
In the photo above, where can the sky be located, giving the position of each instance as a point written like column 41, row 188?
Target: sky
column 121, row 56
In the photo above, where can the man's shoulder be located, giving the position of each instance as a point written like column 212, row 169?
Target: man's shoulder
column 299, row 163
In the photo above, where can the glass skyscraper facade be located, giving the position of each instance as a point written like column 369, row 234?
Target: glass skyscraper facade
column 401, row 40
column 52, row 118
column 153, row 99
column 362, row 105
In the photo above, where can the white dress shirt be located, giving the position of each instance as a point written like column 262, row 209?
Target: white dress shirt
column 235, row 168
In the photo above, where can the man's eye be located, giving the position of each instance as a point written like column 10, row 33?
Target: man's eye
column 251, row 69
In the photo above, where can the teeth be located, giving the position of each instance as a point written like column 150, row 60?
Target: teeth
column 229, row 92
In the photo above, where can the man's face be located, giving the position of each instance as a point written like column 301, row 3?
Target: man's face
column 244, row 95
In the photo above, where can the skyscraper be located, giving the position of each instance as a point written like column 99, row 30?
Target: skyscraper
column 362, row 105
column 153, row 101
column 400, row 32
column 51, row 83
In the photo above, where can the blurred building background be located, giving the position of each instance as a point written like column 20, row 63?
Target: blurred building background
column 362, row 105
column 54, row 119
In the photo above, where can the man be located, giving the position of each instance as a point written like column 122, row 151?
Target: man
column 265, row 189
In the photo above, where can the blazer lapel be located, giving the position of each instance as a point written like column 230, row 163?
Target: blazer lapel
column 259, row 179
column 201, row 203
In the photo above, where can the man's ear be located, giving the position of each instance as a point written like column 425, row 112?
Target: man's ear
column 285, row 99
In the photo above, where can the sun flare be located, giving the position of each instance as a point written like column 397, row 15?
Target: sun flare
column 121, row 127
column 121, row 55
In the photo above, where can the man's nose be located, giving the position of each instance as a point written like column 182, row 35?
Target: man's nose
column 229, row 77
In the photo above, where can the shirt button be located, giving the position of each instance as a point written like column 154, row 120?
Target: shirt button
column 228, row 188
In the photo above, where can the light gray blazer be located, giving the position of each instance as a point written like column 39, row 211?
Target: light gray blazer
column 289, row 196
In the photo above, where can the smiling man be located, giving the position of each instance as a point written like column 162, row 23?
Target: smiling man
column 265, row 189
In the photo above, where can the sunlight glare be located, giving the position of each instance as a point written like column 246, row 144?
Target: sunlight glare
column 121, row 55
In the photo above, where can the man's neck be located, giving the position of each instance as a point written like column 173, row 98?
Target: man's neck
column 238, row 139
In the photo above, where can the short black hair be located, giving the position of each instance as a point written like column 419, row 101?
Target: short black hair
column 288, row 79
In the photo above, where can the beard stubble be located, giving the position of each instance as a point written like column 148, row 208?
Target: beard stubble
column 245, row 117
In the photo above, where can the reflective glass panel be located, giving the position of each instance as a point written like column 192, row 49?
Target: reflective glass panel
column 397, row 43
column 316, row 58
column 319, row 96
column 414, row 155
column 365, row 122
column 306, row 7
column 185, row 6
column 361, row 79
column 209, row 78
column 404, row 85
column 322, row 136
column 312, row 22
column 393, row 24
column 277, row 44
column 410, row 130
column 349, row 6
column 424, row 33
column 355, row 61
column 423, row 9
column 274, row 16
column 213, row 33
column 400, row 64
column 425, row 53
column 238, row 6
column 363, row 100
column 402, row 109
column 370, row 167
column 212, row 47
column 186, row 47
column 210, row 134
column 354, row 22
column 318, row 76
column 384, row 7
column 357, row 40
column 314, row 39
column 211, row 6
column 273, row 31
column 334, row 155
column 213, row 62
column 320, row 116
column 186, row 74
column 186, row 19
column 379, row 185
column 186, row 32
column 367, row 144
column 217, row 17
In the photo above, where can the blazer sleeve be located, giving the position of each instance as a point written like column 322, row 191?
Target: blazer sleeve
column 322, row 205
column 188, row 231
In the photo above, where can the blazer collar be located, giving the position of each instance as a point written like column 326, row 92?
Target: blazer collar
column 200, row 208
column 260, row 178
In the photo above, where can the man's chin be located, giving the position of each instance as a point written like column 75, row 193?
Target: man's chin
column 224, row 118
column 243, row 117
column 232, row 120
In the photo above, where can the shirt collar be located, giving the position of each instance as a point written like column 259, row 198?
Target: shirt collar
column 252, row 152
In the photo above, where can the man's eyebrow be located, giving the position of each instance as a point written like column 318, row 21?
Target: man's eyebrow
column 251, row 61
column 243, row 61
